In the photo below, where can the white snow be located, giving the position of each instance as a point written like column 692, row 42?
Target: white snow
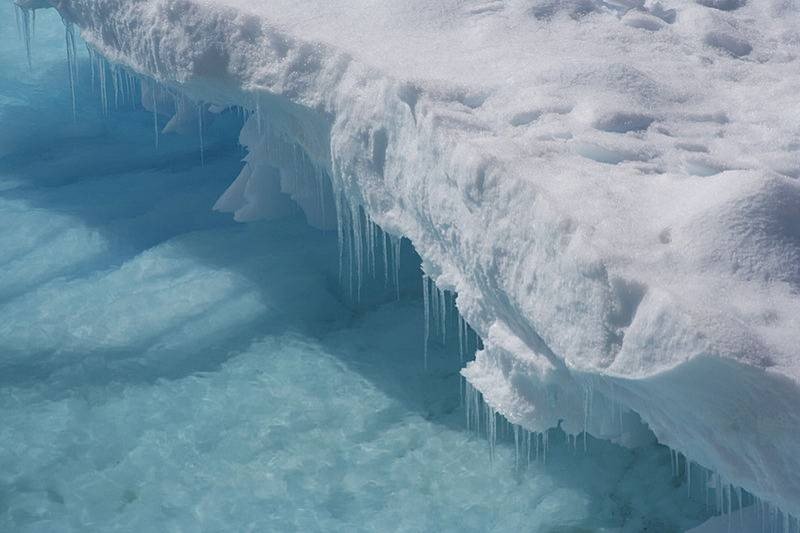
column 610, row 187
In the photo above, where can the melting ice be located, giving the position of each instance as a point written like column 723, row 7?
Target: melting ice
column 165, row 368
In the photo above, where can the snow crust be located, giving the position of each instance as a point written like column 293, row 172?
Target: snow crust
column 610, row 187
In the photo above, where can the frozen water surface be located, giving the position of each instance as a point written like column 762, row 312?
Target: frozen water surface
column 163, row 368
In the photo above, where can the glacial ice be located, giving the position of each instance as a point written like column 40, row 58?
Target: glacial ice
column 609, row 188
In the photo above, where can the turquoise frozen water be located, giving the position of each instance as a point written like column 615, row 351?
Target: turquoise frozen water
column 165, row 369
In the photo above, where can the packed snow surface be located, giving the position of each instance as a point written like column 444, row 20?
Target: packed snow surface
column 610, row 187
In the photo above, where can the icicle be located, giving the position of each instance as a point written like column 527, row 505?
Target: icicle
column 17, row 20
column 120, row 87
column 527, row 445
column 398, row 243
column 373, row 235
column 385, row 259
column 476, row 412
column 467, row 397
column 26, row 24
column 545, row 443
column 460, row 338
column 340, row 234
column 370, row 248
column 443, row 317
column 677, row 463
column 587, row 391
column 134, row 84
column 72, row 65
column 155, row 114
column 491, row 430
column 672, row 462
column 351, row 253
column 115, row 83
column 426, row 304
column 470, row 400
column 92, row 59
column 531, row 436
column 729, row 500
column 740, row 501
column 103, row 87
column 471, row 403
column 349, row 236
column 434, row 293
column 688, row 477
column 124, row 86
column 200, row 127
column 358, row 238
column 468, row 349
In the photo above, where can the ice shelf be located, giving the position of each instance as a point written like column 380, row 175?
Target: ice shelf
column 610, row 187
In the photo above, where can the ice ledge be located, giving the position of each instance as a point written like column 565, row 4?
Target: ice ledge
column 562, row 203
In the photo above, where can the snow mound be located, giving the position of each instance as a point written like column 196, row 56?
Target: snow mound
column 610, row 187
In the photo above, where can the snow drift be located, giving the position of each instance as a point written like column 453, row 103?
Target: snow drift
column 609, row 187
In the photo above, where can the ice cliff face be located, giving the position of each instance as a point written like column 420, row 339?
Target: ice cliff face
column 609, row 187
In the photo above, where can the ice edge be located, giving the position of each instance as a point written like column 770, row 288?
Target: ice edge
column 352, row 121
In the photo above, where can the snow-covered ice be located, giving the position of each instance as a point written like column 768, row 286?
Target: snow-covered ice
column 610, row 187
column 163, row 368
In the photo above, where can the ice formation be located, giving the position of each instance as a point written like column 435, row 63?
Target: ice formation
column 610, row 188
